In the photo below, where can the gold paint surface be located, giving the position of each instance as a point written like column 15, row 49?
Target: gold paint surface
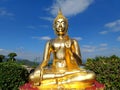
column 65, row 71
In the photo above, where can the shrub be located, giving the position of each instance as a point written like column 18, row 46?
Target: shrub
column 12, row 75
column 107, row 70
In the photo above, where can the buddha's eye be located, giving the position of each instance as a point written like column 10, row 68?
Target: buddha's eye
column 57, row 22
column 63, row 22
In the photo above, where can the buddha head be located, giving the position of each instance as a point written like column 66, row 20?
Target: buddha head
column 60, row 24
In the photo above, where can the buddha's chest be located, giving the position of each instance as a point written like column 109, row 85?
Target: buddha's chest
column 60, row 45
column 59, row 49
column 57, row 45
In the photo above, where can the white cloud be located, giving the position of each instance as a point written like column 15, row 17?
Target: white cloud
column 110, row 25
column 118, row 39
column 20, row 49
column 70, row 7
column 102, row 48
column 5, row 52
column 92, row 49
column 113, row 26
column 77, row 38
column 42, row 38
column 116, row 50
column 103, row 32
column 45, row 38
column 104, row 44
column 4, row 12
column 1, row 49
column 28, row 55
column 88, row 48
column 47, row 18
column 22, row 54
column 37, row 27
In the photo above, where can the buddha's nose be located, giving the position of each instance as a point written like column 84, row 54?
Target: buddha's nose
column 60, row 25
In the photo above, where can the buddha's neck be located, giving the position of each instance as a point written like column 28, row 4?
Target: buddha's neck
column 61, row 36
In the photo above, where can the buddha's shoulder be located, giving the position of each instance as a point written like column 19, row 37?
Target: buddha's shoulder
column 50, row 41
column 73, row 40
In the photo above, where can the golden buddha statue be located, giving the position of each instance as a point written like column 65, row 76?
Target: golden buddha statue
column 65, row 71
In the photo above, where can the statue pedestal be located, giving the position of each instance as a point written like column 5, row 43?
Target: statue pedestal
column 29, row 86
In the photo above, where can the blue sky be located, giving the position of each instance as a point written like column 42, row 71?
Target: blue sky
column 26, row 25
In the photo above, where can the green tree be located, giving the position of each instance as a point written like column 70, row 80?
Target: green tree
column 107, row 70
column 12, row 76
column 12, row 56
column 1, row 58
column 113, row 57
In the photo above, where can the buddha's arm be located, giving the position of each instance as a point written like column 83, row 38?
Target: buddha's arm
column 76, row 51
column 46, row 55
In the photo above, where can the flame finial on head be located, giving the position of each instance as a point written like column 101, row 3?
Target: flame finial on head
column 60, row 12
column 60, row 15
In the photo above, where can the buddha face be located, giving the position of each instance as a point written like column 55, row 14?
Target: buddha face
column 60, row 26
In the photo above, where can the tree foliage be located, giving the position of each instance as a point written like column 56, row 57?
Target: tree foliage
column 1, row 58
column 12, row 56
column 107, row 70
column 12, row 75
